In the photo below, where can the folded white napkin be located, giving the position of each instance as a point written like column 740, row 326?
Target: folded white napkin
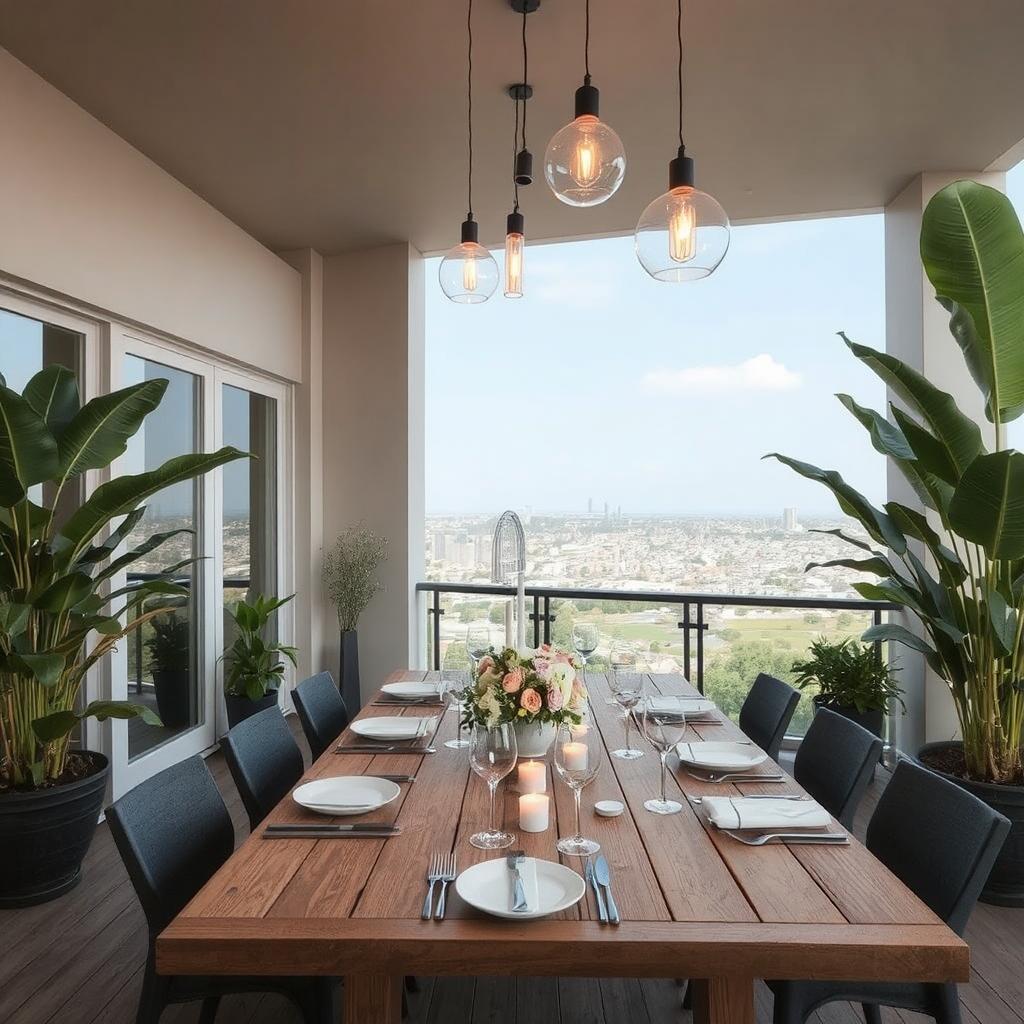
column 738, row 812
column 408, row 728
column 528, row 873
column 691, row 706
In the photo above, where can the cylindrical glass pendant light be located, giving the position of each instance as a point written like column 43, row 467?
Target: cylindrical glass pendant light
column 468, row 274
column 515, row 242
column 683, row 235
column 585, row 162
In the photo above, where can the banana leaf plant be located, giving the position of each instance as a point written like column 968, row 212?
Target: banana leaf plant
column 958, row 566
column 59, row 615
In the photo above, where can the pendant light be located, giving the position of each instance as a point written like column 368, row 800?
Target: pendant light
column 684, row 234
column 468, row 274
column 522, row 174
column 585, row 163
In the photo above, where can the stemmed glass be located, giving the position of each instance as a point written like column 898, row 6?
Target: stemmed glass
column 478, row 643
column 493, row 756
column 627, row 683
column 451, row 691
column 585, row 638
column 663, row 730
column 577, row 758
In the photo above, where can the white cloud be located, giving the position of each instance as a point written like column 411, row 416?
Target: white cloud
column 761, row 373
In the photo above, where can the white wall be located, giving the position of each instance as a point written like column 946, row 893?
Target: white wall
column 84, row 214
column 373, row 438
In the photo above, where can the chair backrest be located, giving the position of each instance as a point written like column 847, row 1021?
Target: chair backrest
column 767, row 711
column 264, row 760
column 322, row 711
column 939, row 839
column 173, row 832
column 835, row 763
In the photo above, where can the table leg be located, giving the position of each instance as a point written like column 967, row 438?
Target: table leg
column 723, row 1001
column 373, row 999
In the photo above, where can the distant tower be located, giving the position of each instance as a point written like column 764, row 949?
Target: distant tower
column 590, row 506
column 606, row 510
column 789, row 523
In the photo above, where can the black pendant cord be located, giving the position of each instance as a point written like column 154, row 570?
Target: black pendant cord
column 526, row 72
column 679, row 40
column 515, row 154
column 469, row 103
column 586, row 46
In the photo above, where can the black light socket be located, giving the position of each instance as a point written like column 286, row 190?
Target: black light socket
column 680, row 171
column 524, row 167
column 470, row 230
column 587, row 100
column 515, row 224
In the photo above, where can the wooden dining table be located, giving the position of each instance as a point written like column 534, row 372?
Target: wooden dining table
column 694, row 902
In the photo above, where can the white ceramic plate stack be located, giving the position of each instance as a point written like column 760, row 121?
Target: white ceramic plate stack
column 346, row 794
column 488, row 887
column 715, row 755
column 411, row 691
column 696, row 708
column 393, row 727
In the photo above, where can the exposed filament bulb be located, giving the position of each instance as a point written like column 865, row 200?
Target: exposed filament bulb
column 682, row 226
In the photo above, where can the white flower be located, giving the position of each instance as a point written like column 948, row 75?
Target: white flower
column 562, row 676
column 490, row 708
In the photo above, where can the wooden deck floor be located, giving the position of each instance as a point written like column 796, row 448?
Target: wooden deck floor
column 79, row 961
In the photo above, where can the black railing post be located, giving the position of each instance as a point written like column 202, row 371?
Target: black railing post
column 138, row 660
column 876, row 620
column 535, row 615
column 548, row 619
column 685, row 627
column 701, row 626
column 437, row 611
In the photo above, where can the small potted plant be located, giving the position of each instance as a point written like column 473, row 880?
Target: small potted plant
column 170, row 659
column 253, row 668
column 350, row 575
column 851, row 680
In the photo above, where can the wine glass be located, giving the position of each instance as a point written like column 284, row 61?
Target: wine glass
column 585, row 638
column 627, row 683
column 663, row 729
column 478, row 643
column 493, row 756
column 577, row 758
column 451, row 692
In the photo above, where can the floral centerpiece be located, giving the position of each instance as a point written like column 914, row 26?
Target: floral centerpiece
column 535, row 690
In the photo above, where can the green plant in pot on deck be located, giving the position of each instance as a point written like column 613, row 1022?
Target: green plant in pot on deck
column 253, row 665
column 170, row 661
column 958, row 566
column 851, row 679
column 350, row 576
column 60, row 615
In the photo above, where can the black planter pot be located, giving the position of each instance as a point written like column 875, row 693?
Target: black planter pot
column 172, row 696
column 1005, row 885
column 241, row 708
column 873, row 721
column 44, row 836
column 348, row 673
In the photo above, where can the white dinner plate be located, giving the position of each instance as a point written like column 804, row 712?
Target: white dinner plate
column 691, row 707
column 721, row 755
column 488, row 887
column 392, row 728
column 410, row 691
column 346, row 794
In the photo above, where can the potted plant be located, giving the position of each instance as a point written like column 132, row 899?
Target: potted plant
column 534, row 690
column 59, row 616
column 253, row 665
column 169, row 649
column 350, row 575
column 958, row 569
column 851, row 679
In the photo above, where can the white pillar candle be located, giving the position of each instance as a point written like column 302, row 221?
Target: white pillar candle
column 574, row 756
column 533, row 812
column 533, row 777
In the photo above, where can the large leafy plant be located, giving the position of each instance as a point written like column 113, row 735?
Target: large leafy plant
column 59, row 615
column 959, row 567
column 848, row 674
column 254, row 666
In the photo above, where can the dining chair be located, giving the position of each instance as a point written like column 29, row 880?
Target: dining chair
column 835, row 763
column 767, row 712
column 941, row 841
column 264, row 760
column 322, row 711
column 173, row 832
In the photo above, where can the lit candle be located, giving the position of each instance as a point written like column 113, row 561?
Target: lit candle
column 533, row 812
column 533, row 777
column 574, row 756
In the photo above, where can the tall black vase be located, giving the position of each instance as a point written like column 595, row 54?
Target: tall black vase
column 348, row 674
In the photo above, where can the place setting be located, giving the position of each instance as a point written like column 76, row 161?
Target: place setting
column 399, row 734
column 342, row 796
column 411, row 694
column 762, row 820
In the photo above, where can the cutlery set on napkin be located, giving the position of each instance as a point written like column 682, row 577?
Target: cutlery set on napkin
column 759, row 820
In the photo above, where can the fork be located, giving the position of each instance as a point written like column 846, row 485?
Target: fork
column 755, row 796
column 448, row 875
column 735, row 777
column 796, row 838
column 434, row 873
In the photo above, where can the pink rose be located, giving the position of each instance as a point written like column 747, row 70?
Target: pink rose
column 554, row 698
column 484, row 664
column 530, row 700
column 541, row 667
column 513, row 680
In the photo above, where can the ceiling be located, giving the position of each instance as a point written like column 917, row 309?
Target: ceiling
column 340, row 124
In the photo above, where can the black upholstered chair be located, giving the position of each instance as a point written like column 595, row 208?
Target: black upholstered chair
column 264, row 760
column 322, row 711
column 835, row 763
column 173, row 832
column 941, row 841
column 767, row 712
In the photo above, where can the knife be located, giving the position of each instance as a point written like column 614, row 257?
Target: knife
column 602, row 913
column 321, row 833
column 359, row 826
column 604, row 876
column 367, row 748
column 513, row 860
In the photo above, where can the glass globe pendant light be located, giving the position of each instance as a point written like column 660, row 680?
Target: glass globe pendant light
column 468, row 274
column 585, row 162
column 684, row 234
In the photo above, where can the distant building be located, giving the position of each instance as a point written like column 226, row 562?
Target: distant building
column 590, row 506
column 789, row 523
